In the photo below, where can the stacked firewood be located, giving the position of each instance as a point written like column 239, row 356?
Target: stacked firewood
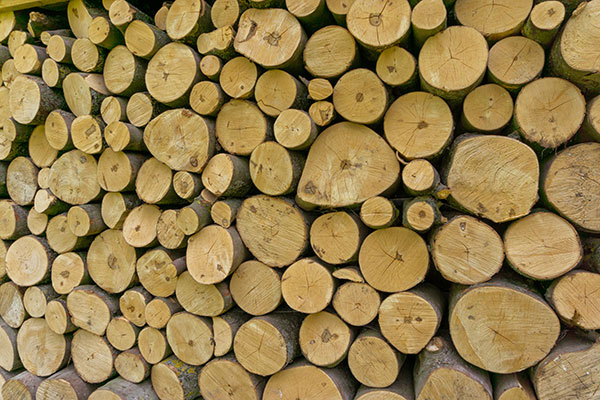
column 300, row 200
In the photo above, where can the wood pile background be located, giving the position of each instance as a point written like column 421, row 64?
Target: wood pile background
column 300, row 200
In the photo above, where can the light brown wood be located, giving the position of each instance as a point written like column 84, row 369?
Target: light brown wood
column 378, row 212
column 336, row 237
column 113, row 109
column 91, row 308
column 141, row 108
column 58, row 317
column 206, row 98
column 241, row 136
column 187, row 185
column 227, row 175
column 174, row 379
column 493, row 20
column 115, row 208
column 58, row 128
column 307, row 285
column 488, row 109
column 21, row 386
column 60, row 237
column 224, row 376
column 421, row 213
column 515, row 61
column 54, row 73
column 356, row 303
column 28, row 260
column 158, row 270
column 139, row 227
column 203, row 300
column 153, row 345
column 9, row 357
column 21, row 180
column 168, row 233
column 121, row 13
column 154, row 183
column 120, row 389
column 378, row 31
column 88, row 57
column 226, row 12
column 256, row 288
column 397, row 67
column 86, row 134
column 572, row 297
column 544, row 21
column 160, row 18
column 225, row 327
column 274, row 170
column 117, row 170
column 325, row 339
column 131, row 366
column 144, row 39
column 93, row 357
column 121, row 333
column 42, row 351
column 69, row 270
column 31, row 100
column 123, row 72
column 211, row 66
column 218, row 42
column 111, row 261
column 84, row 93
column 104, row 34
column 194, row 217
column 191, row 338
column 186, row 19
column 294, row 129
column 159, row 311
column 277, row 91
column 427, row 18
column 238, row 78
column 29, row 58
column 65, row 384
column 36, row 298
column 133, row 304
column 319, row 89
column 59, row 48
column 80, row 15
column 360, row 96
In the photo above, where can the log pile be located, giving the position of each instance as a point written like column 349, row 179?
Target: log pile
column 301, row 200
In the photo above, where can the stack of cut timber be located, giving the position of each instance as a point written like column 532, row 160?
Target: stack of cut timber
column 300, row 200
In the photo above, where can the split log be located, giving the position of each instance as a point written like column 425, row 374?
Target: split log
column 22, row 386
column 93, row 357
column 544, row 22
column 357, row 303
column 28, row 260
column 84, row 93
column 133, row 305
column 256, row 288
column 273, row 229
column 12, row 309
column 544, row 257
column 131, row 366
column 494, row 20
column 36, row 298
column 224, row 376
column 307, row 285
column 144, row 39
column 203, row 300
column 158, row 270
column 91, row 308
column 115, row 208
column 330, row 52
column 159, row 311
column 409, row 320
column 485, row 338
column 515, row 61
column 439, row 371
column 325, row 339
column 69, row 270
column 31, row 100
column 120, row 389
column 295, row 129
column 191, row 338
column 153, row 345
column 393, row 259
column 65, row 385
column 42, row 351
column 466, row 250
column 225, row 327
column 488, row 109
column 275, row 334
column 87, row 57
column 58, row 317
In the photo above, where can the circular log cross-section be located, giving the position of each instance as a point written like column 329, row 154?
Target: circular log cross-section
column 111, row 261
column 307, row 286
column 256, row 288
column 488, row 109
column 73, row 178
column 324, row 339
column 69, row 270
column 158, row 271
column 204, row 300
column 84, row 93
column 515, row 61
column 357, row 303
column 378, row 31
column 28, row 260
column 360, row 96
column 372, row 361
column 225, row 377
column 494, row 20
column 240, row 136
column 495, row 177
column 274, row 170
column 31, row 100
column 544, row 22
column 42, row 351
column 486, row 338
column 295, row 130
column 93, row 357
column 227, row 175
column 378, row 212
column 191, row 338
column 174, row 379
column 466, row 250
column 572, row 296
column 91, row 308
column 330, row 52
column 393, row 259
column 396, row 67
column 123, row 72
column 542, row 246
column 336, row 237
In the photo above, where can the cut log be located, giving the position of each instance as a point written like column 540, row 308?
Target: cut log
column 121, row 136
column 356, row 303
column 307, row 285
column 46, row 202
column 225, row 328
column 409, row 320
column 13, row 220
column 401, row 389
column 80, row 14
column 187, row 185
column 21, row 180
column 88, row 57
column 54, row 73
column 159, row 310
column 207, row 98
column 446, row 53
column 104, row 34
column 158, row 269
column 440, row 372
column 187, row 19
column 123, row 72
column 319, row 89
column 120, row 389
column 312, row 14
column 273, row 229
column 479, row 182
column 111, row 261
column 9, row 356
column 117, row 171
column 322, row 112
column 45, row 36
column 272, row 38
column 58, row 317
column 227, row 175
column 69, row 270
column 144, row 39
column 160, row 18
column 256, row 288
column 65, row 385
column 372, row 361
column 17, row 39
column 494, row 20
column 116, row 206
column 485, row 338
column 153, row 345
column 154, row 183
column 58, row 129
column 36, row 298
column 294, row 129
column 12, row 309
column 211, row 66
column 86, row 134
column 574, row 59
column 9, row 73
column 194, row 217
column 141, row 108
column 570, row 369
column 240, row 136
column 487, row 109
column 29, row 58
column 421, row 213
column 274, row 170
column 164, row 134
column 174, row 379
column 330, row 52
column 325, row 339
column 226, row 12
column 515, row 61
column 172, row 72
column 544, row 22
column 59, row 48
column 169, row 235
column 224, row 377
column 336, row 237
column 513, row 386
column 122, row 13
column 121, row 333
column 133, row 304
column 113, row 109
column 349, row 175
column 42, row 351
column 91, row 308
column 360, row 96
column 191, row 338
column 568, row 185
column 22, row 386
column 541, row 116
column 28, row 260
column 379, row 212
column 84, row 93
column 542, row 257
column 131, row 366
column 393, row 259
column 290, row 93
column 31, row 100
column 397, row 68
column 204, row 300
column 218, row 42
column 275, row 334
column 590, row 130
column 466, row 250
column 427, row 18
column 571, row 297
column 10, row 21
column 139, row 227
column 93, row 357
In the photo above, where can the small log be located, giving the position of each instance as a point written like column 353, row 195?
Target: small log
column 104, row 34
column 312, row 15
column 117, row 171
column 427, row 18
column 113, row 109
column 88, row 57
column 84, row 93
column 3, row 249
column 393, row 259
column 58, row 317
column 488, row 109
column 9, row 73
column 226, row 12
column 544, row 22
column 203, row 300
column 54, row 73
column 174, row 379
column 570, row 296
column 274, row 170
column 21, row 180
column 421, row 213
column 17, row 39
column 356, row 303
column 241, row 136
column 295, row 129
column 91, row 308
column 207, row 98
column 194, row 217
column 325, row 339
column 187, row 19
column 80, row 14
column 336, row 237
column 9, row 355
column 9, row 21
column 59, row 48
column 116, row 206
column 12, row 309
column 319, row 89
column 256, row 288
column 42, row 351
column 65, row 385
column 191, row 338
column 439, row 371
column 499, row 297
column 139, row 227
column 93, row 357
column 144, row 39
column 58, row 129
column 29, row 58
column 352, row 89
column 290, row 93
column 131, row 366
column 401, row 389
column 227, row 175
column 141, row 108
column 28, row 260
column 111, row 261
column 506, row 22
column 14, row 220
column 409, row 320
column 31, row 100
column 120, row 389
column 308, row 295
column 514, row 62
column 154, row 183
column 187, row 185
column 69, row 270
column 224, row 376
column 225, row 327
column 158, row 270
column 160, row 18
column 60, row 237
column 260, row 216
column 512, row 386
column 275, row 334
column 86, row 134
column 121, row 333
column 45, row 36
column 133, row 304
column 153, row 345
column 159, row 311
column 218, row 42
column 36, row 298
column 211, row 66
column 22, row 386
column 168, row 233
column 379, row 212
column 121, row 136
column 238, row 78
column 123, row 72
column 39, row 22
column 497, row 195
column 122, row 13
